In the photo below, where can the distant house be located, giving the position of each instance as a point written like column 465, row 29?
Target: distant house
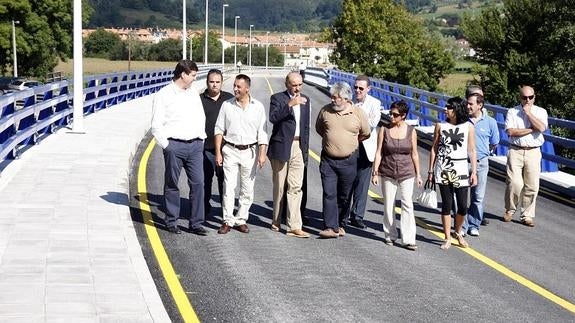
column 465, row 48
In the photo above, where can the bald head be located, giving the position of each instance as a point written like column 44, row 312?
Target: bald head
column 294, row 83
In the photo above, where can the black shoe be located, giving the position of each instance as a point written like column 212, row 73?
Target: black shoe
column 358, row 223
column 199, row 231
column 484, row 222
column 175, row 230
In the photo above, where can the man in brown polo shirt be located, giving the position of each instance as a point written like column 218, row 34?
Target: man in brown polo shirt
column 342, row 127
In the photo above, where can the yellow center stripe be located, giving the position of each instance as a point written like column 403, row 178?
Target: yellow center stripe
column 174, row 285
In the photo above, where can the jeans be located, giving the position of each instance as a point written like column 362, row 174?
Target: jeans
column 475, row 214
column 337, row 177
column 210, row 168
column 361, row 185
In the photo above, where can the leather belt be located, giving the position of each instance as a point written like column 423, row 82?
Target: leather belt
column 241, row 147
column 184, row 141
column 296, row 138
column 523, row 148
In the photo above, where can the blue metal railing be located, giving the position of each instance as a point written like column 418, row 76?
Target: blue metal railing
column 428, row 108
column 28, row 115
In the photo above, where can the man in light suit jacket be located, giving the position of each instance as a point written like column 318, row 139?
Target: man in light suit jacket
column 372, row 108
column 288, row 152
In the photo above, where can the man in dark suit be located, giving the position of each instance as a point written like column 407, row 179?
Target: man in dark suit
column 288, row 152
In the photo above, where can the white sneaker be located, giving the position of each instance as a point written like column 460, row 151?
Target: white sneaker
column 474, row 232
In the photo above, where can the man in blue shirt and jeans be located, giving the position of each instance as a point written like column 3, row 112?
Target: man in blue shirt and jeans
column 486, row 139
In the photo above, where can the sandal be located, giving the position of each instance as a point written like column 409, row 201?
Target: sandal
column 461, row 240
column 411, row 247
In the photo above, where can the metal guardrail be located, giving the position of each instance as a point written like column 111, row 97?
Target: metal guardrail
column 428, row 108
column 29, row 115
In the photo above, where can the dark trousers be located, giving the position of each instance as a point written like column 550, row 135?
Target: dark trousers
column 361, row 185
column 337, row 177
column 188, row 156
column 210, row 168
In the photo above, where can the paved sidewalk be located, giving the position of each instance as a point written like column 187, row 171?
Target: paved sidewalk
column 68, row 249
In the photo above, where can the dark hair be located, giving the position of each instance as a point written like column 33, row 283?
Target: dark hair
column 184, row 65
column 214, row 71
column 478, row 98
column 245, row 78
column 363, row 78
column 401, row 106
column 460, row 108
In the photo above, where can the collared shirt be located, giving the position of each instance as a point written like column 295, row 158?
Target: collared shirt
column 212, row 109
column 372, row 109
column 516, row 119
column 242, row 126
column 340, row 131
column 296, row 114
column 177, row 113
column 486, row 135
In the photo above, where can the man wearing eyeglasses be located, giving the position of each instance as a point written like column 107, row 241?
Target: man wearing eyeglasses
column 524, row 125
column 372, row 109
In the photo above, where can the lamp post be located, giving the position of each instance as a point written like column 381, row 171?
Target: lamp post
column 250, row 55
column 223, row 30
column 206, row 40
column 15, row 62
column 236, row 40
column 184, row 32
column 267, row 47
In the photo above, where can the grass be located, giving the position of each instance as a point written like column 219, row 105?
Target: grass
column 103, row 66
column 454, row 84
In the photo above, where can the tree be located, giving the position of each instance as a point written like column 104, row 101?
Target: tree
column 168, row 50
column 381, row 39
column 100, row 43
column 43, row 34
column 527, row 42
column 214, row 48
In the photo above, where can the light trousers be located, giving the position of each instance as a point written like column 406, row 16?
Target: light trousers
column 287, row 176
column 523, row 171
column 242, row 163
column 407, row 221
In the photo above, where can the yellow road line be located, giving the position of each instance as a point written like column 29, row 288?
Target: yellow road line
column 174, row 285
column 479, row 256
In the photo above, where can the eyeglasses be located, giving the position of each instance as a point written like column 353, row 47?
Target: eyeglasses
column 527, row 97
column 359, row 88
column 395, row 114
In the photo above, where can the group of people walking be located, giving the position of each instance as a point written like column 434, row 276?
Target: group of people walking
column 226, row 135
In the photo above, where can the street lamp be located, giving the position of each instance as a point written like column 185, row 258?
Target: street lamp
column 223, row 30
column 250, row 56
column 267, row 47
column 236, row 40
column 15, row 62
column 206, row 40
column 184, row 32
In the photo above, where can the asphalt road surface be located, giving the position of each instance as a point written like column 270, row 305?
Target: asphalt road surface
column 511, row 273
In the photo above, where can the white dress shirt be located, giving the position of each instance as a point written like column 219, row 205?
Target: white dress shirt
column 242, row 126
column 177, row 113
column 296, row 114
column 372, row 108
column 516, row 119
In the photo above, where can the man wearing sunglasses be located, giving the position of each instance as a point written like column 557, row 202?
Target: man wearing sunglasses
column 524, row 125
column 372, row 109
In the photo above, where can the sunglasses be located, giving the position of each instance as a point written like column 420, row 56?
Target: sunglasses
column 450, row 107
column 359, row 88
column 527, row 97
column 395, row 115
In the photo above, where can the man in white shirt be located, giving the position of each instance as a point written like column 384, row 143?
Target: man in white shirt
column 372, row 109
column 240, row 139
column 524, row 125
column 178, row 122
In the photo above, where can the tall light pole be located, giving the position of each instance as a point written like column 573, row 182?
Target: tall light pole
column 250, row 56
column 267, row 47
column 223, row 30
column 236, row 41
column 206, row 40
column 15, row 61
column 184, row 32
column 78, row 111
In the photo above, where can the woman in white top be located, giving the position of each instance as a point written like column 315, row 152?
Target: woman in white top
column 453, row 148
